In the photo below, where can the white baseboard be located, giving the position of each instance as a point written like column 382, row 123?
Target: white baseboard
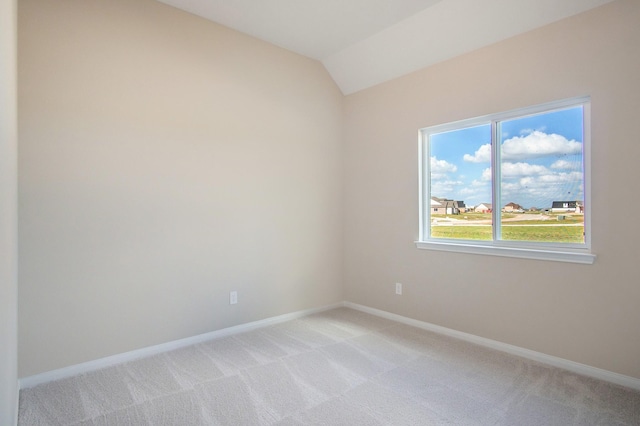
column 86, row 367
column 575, row 367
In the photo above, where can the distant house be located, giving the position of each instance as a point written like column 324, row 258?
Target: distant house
column 513, row 207
column 567, row 207
column 461, row 206
column 436, row 206
column 445, row 206
column 484, row 208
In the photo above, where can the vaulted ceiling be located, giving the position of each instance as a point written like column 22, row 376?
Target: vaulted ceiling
column 366, row 42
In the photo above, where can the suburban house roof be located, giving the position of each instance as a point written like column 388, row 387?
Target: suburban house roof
column 561, row 204
column 514, row 206
column 446, row 203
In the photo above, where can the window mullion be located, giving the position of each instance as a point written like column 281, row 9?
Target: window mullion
column 425, row 186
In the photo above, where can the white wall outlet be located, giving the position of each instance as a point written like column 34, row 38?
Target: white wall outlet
column 233, row 297
column 399, row 288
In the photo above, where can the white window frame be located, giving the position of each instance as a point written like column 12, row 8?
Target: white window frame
column 561, row 252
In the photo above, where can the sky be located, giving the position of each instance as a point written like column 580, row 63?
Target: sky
column 541, row 161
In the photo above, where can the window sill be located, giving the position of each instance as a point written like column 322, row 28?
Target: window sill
column 523, row 253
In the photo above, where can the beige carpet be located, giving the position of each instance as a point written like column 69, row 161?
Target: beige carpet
column 341, row 367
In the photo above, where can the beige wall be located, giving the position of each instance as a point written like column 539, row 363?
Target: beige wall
column 8, row 215
column 585, row 313
column 164, row 161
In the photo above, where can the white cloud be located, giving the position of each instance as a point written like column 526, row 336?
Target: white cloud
column 543, row 188
column 486, row 175
column 475, row 194
column 444, row 188
column 535, row 144
column 528, row 131
column 522, row 169
column 472, row 191
column 538, row 144
column 442, row 166
column 566, row 165
column 527, row 182
column 561, row 178
column 466, row 192
column 482, row 155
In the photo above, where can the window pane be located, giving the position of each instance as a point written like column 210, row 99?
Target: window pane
column 542, row 175
column 460, row 184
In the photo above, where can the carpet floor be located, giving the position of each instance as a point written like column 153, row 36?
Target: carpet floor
column 340, row 367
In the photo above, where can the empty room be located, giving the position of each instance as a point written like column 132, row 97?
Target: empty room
column 286, row 212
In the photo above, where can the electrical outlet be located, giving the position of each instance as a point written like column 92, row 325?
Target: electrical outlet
column 399, row 288
column 233, row 297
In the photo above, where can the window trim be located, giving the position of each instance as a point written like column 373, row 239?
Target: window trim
column 561, row 252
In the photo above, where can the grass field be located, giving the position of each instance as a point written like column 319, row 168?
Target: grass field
column 516, row 227
column 559, row 234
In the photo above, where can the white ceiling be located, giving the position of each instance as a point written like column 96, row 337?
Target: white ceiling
column 366, row 42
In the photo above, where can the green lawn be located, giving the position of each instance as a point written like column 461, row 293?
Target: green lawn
column 516, row 228
column 561, row 234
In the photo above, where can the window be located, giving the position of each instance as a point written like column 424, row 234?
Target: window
column 510, row 184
